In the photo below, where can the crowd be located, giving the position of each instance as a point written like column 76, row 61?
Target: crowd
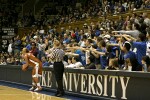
column 79, row 10
column 9, row 12
column 69, row 11
column 123, row 44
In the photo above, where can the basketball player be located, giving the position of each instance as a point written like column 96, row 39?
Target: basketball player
column 34, row 62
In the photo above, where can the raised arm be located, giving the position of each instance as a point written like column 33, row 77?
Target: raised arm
column 126, row 32
column 129, row 38
column 97, row 52
column 71, row 54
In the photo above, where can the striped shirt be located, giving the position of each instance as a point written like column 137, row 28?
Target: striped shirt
column 57, row 55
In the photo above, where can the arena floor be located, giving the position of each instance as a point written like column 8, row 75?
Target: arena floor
column 9, row 93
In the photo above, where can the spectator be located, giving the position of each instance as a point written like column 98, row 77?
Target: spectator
column 17, row 45
column 134, row 32
column 45, row 63
column 90, row 63
column 146, row 63
column 102, row 53
column 146, row 19
column 113, row 65
column 75, row 61
column 10, row 47
column 148, row 44
column 34, row 49
column 9, row 62
column 3, row 62
column 130, row 57
column 140, row 46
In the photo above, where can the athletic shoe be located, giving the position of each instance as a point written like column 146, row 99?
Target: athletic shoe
column 32, row 88
column 38, row 89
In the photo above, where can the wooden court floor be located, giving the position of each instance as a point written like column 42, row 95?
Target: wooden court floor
column 9, row 93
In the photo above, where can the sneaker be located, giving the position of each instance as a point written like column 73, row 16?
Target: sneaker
column 60, row 94
column 56, row 93
column 32, row 88
column 38, row 89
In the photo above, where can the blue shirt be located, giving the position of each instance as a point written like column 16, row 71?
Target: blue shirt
column 114, row 49
column 130, row 55
column 17, row 44
column 66, row 41
column 28, row 47
column 82, row 57
column 45, row 64
column 97, row 33
column 103, row 59
column 141, row 50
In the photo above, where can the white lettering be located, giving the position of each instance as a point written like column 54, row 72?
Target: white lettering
column 49, row 79
column 124, row 86
column 99, row 84
column 83, row 78
column 65, row 80
column 113, row 84
column 43, row 78
column 76, row 81
column 105, row 85
column 91, row 84
column 70, row 83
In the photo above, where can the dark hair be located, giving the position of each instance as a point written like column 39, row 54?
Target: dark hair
column 135, row 64
column 115, row 63
column 134, row 14
column 94, row 46
column 84, row 37
column 66, row 58
column 142, row 37
column 99, row 39
column 147, row 60
column 102, row 43
column 137, row 26
column 91, row 58
column 90, row 40
column 76, row 58
column 109, row 48
column 33, row 43
column 127, row 46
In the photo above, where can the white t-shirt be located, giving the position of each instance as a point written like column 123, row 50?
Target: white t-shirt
column 76, row 65
column 10, row 48
column 148, row 48
column 70, row 66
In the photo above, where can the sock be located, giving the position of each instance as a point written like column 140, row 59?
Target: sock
column 38, row 84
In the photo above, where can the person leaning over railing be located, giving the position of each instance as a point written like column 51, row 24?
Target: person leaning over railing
column 140, row 46
column 102, row 53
